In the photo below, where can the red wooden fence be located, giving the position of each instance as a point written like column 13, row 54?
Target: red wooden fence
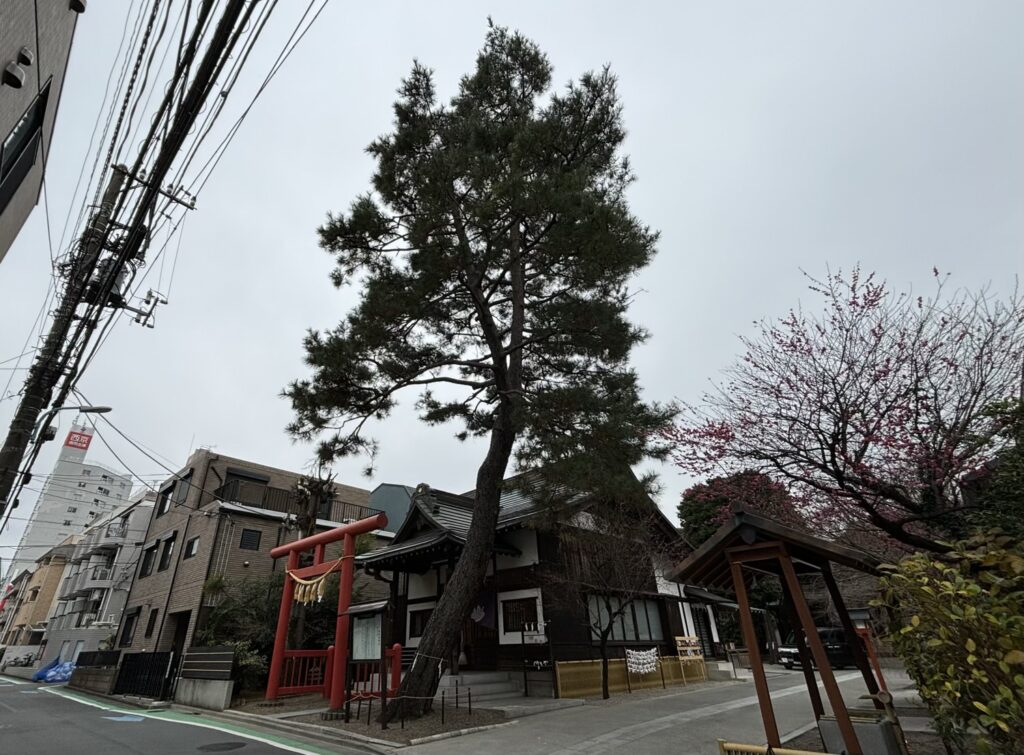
column 306, row 671
column 366, row 682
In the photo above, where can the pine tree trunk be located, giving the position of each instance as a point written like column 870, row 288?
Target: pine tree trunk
column 439, row 637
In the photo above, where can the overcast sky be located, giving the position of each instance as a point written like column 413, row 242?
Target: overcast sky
column 767, row 138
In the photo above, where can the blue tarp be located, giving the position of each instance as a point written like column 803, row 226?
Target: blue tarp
column 40, row 675
column 60, row 673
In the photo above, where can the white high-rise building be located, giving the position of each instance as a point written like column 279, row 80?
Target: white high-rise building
column 72, row 498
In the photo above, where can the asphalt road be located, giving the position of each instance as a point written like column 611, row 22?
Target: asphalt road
column 43, row 720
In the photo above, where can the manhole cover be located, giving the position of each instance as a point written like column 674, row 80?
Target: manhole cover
column 221, row 746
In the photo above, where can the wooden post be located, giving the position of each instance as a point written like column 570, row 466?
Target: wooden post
column 835, row 697
column 764, row 699
column 859, row 658
column 341, row 630
column 281, row 637
column 805, row 656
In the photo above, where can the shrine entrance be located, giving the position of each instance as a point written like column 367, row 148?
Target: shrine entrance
column 329, row 669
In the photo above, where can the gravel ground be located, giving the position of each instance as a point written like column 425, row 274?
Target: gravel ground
column 919, row 743
column 414, row 728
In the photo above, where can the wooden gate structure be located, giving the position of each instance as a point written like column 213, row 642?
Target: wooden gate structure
column 749, row 543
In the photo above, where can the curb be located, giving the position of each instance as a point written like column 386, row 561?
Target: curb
column 323, row 734
column 459, row 733
column 142, row 703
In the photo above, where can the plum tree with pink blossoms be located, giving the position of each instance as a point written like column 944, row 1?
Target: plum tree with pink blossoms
column 872, row 410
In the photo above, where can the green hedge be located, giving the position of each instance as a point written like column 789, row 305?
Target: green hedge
column 959, row 622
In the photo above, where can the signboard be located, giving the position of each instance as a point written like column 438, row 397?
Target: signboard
column 78, row 440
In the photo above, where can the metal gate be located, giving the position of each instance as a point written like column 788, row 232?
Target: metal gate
column 145, row 675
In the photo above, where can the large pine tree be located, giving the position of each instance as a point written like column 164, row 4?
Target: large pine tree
column 494, row 254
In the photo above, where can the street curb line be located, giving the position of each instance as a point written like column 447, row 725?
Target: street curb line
column 789, row 737
column 459, row 733
column 168, row 715
column 316, row 731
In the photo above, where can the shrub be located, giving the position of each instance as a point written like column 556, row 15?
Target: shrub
column 959, row 628
column 250, row 672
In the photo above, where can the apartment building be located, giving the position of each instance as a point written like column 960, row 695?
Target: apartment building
column 35, row 43
column 74, row 495
column 24, row 631
column 218, row 517
column 92, row 595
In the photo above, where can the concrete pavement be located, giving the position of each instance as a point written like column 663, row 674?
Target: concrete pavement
column 38, row 720
column 684, row 723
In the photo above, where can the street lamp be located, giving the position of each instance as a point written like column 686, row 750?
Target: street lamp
column 42, row 433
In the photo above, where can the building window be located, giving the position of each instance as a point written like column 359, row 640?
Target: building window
column 151, row 624
column 67, row 523
column 638, row 622
column 191, row 547
column 181, row 490
column 128, row 632
column 104, row 491
column 516, row 614
column 148, row 559
column 72, row 509
column 81, row 484
column 86, row 473
column 104, row 478
column 33, row 594
column 418, row 621
column 167, row 552
column 20, row 148
column 163, row 501
column 250, row 540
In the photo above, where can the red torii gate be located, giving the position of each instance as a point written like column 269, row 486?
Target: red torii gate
column 318, row 543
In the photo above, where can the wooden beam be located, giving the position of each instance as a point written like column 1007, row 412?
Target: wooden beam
column 768, row 551
column 764, row 695
column 835, row 696
column 859, row 658
column 805, row 656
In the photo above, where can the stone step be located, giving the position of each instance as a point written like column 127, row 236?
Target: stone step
column 485, row 688
column 467, row 678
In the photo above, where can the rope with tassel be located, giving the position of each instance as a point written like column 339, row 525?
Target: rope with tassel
column 312, row 590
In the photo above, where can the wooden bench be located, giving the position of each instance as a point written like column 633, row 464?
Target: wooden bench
column 734, row 748
column 690, row 652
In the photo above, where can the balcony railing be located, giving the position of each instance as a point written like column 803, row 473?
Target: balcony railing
column 278, row 499
column 117, row 529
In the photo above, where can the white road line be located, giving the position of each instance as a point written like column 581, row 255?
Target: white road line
column 157, row 717
column 11, row 680
column 619, row 739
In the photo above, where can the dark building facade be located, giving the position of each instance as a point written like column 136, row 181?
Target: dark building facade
column 516, row 595
column 35, row 43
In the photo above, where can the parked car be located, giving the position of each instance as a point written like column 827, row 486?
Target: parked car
column 837, row 649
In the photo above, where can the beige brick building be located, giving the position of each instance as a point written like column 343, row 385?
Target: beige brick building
column 38, row 597
column 217, row 517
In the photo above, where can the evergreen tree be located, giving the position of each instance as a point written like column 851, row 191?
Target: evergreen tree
column 494, row 253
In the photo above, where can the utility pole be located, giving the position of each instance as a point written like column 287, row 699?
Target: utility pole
column 49, row 365
column 45, row 370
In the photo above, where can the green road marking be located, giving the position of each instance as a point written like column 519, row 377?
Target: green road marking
column 276, row 740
